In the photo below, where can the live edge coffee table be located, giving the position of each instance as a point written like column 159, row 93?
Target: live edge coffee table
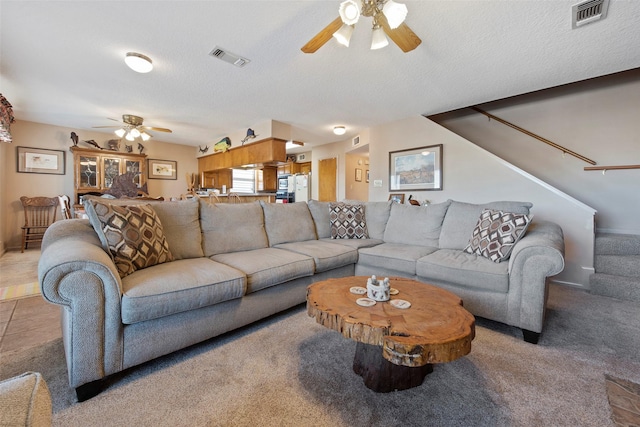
column 396, row 347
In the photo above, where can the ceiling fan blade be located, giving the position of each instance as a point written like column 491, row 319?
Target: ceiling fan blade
column 112, row 127
column 322, row 37
column 157, row 129
column 403, row 36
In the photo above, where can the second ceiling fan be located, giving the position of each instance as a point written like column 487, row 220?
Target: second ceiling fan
column 388, row 18
column 133, row 128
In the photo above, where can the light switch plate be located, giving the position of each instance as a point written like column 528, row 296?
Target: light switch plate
column 377, row 183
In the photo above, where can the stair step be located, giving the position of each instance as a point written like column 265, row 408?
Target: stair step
column 618, row 265
column 625, row 288
column 617, row 244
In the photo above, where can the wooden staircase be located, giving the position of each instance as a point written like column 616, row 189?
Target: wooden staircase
column 617, row 266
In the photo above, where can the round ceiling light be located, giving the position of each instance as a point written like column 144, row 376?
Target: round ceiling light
column 339, row 130
column 138, row 62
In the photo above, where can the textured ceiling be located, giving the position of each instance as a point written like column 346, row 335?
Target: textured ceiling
column 62, row 62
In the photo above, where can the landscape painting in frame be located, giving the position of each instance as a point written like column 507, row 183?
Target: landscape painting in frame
column 162, row 169
column 40, row 160
column 416, row 169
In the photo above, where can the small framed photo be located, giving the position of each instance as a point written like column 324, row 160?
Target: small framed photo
column 416, row 169
column 396, row 198
column 40, row 160
column 367, row 175
column 358, row 175
column 162, row 169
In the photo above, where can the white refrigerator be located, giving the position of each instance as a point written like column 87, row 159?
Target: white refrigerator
column 302, row 188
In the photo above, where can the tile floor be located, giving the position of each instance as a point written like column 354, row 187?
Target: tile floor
column 26, row 322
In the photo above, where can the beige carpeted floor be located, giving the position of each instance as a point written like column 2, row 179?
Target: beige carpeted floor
column 289, row 371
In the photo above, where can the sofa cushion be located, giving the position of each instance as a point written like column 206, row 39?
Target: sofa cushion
column 347, row 221
column 230, row 227
column 356, row 243
column 180, row 222
column 415, row 225
column 376, row 214
column 133, row 235
column 269, row 266
column 288, row 222
column 180, row 286
column 394, row 256
column 320, row 214
column 25, row 401
column 326, row 255
column 461, row 268
column 462, row 217
column 496, row 233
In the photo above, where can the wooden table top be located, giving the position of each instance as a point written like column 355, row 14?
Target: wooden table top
column 435, row 329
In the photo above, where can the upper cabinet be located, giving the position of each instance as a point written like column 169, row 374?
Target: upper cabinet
column 95, row 170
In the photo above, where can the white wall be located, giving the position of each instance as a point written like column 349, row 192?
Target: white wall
column 597, row 118
column 471, row 174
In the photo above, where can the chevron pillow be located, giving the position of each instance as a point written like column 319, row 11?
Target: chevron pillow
column 133, row 235
column 496, row 233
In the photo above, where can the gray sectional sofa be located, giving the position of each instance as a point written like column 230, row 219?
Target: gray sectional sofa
column 233, row 264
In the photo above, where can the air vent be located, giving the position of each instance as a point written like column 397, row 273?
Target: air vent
column 588, row 11
column 229, row 57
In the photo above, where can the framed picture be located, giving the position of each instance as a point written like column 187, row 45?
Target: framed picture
column 397, row 198
column 367, row 175
column 358, row 175
column 416, row 169
column 162, row 169
column 40, row 160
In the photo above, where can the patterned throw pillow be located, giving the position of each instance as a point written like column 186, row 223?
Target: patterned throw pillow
column 496, row 233
column 347, row 221
column 133, row 235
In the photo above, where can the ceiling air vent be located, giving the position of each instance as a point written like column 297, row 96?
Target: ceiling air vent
column 229, row 57
column 588, row 11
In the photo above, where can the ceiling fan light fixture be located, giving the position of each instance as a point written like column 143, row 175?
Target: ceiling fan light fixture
column 378, row 39
column 120, row 132
column 129, row 137
column 349, row 12
column 145, row 136
column 343, row 35
column 138, row 62
column 339, row 130
column 395, row 13
column 135, row 133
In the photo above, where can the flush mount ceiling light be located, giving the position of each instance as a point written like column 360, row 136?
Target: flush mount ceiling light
column 339, row 130
column 138, row 62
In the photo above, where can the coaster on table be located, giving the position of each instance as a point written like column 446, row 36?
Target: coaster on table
column 365, row 302
column 358, row 290
column 394, row 291
column 400, row 303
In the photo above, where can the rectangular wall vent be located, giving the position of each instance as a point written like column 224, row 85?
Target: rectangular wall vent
column 229, row 57
column 588, row 11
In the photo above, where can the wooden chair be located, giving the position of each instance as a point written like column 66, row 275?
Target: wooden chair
column 39, row 214
column 65, row 206
column 233, row 198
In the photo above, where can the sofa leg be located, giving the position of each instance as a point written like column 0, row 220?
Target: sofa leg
column 530, row 336
column 89, row 390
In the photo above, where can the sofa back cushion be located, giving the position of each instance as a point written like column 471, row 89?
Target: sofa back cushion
column 231, row 227
column 462, row 218
column 415, row 225
column 376, row 214
column 288, row 222
column 320, row 214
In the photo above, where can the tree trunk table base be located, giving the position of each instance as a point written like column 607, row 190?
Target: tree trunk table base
column 382, row 376
column 396, row 347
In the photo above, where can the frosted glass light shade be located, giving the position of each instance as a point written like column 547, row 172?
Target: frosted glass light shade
column 129, row 137
column 134, row 132
column 339, row 130
column 145, row 136
column 395, row 13
column 378, row 39
column 138, row 62
column 343, row 35
column 120, row 132
column 349, row 11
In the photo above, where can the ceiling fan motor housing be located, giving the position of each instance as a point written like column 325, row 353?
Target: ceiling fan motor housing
column 132, row 120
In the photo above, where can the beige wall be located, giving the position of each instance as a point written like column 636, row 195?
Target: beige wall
column 37, row 135
column 356, row 190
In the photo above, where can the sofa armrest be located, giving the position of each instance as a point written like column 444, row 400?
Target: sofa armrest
column 538, row 255
column 75, row 272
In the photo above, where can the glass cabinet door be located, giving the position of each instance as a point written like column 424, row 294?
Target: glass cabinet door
column 88, row 172
column 134, row 166
column 111, row 169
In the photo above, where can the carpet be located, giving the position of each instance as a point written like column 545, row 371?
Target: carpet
column 19, row 291
column 289, row 371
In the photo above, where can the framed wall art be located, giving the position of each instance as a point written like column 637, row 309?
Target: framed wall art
column 397, row 198
column 416, row 169
column 358, row 175
column 162, row 169
column 40, row 160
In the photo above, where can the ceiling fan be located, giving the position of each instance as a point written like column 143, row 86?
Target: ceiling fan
column 132, row 128
column 388, row 18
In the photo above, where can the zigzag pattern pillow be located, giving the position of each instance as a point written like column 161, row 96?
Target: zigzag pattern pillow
column 347, row 221
column 496, row 233
column 133, row 235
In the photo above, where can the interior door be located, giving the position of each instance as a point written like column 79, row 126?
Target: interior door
column 327, row 173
